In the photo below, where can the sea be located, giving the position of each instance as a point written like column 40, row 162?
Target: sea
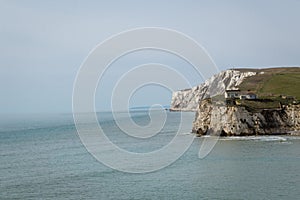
column 42, row 157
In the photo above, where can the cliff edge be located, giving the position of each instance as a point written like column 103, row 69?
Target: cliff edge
column 238, row 120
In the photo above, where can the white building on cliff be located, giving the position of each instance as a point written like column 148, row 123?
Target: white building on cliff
column 236, row 94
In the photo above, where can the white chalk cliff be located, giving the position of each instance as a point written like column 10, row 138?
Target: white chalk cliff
column 188, row 99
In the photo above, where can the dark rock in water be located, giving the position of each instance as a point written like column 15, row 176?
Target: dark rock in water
column 223, row 133
column 200, row 132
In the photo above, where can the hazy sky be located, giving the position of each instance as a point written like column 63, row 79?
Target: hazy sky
column 43, row 43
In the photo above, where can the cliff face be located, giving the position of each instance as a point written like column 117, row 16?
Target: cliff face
column 237, row 120
column 188, row 100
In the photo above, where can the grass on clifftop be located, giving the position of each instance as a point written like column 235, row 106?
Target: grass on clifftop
column 287, row 84
column 273, row 82
column 254, row 105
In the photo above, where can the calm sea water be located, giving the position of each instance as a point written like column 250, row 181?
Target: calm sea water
column 41, row 157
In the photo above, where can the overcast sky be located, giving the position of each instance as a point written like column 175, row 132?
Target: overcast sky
column 43, row 43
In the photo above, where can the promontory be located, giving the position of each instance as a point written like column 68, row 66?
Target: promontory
column 242, row 102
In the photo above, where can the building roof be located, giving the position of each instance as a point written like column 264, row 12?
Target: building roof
column 233, row 90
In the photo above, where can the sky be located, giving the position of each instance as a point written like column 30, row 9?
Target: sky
column 44, row 43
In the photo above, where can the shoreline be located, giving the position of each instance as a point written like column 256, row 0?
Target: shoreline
column 291, row 133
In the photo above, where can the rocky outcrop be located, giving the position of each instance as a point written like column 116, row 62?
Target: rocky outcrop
column 188, row 99
column 220, row 119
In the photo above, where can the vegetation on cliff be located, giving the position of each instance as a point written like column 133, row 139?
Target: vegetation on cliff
column 273, row 82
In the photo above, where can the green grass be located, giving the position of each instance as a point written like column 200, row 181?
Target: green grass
column 274, row 82
column 252, row 105
column 285, row 83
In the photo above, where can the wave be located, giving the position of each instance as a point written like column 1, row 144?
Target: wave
column 258, row 138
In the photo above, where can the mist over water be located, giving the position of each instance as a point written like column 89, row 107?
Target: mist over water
column 41, row 157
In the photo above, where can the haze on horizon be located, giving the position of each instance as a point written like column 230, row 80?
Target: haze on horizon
column 44, row 43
